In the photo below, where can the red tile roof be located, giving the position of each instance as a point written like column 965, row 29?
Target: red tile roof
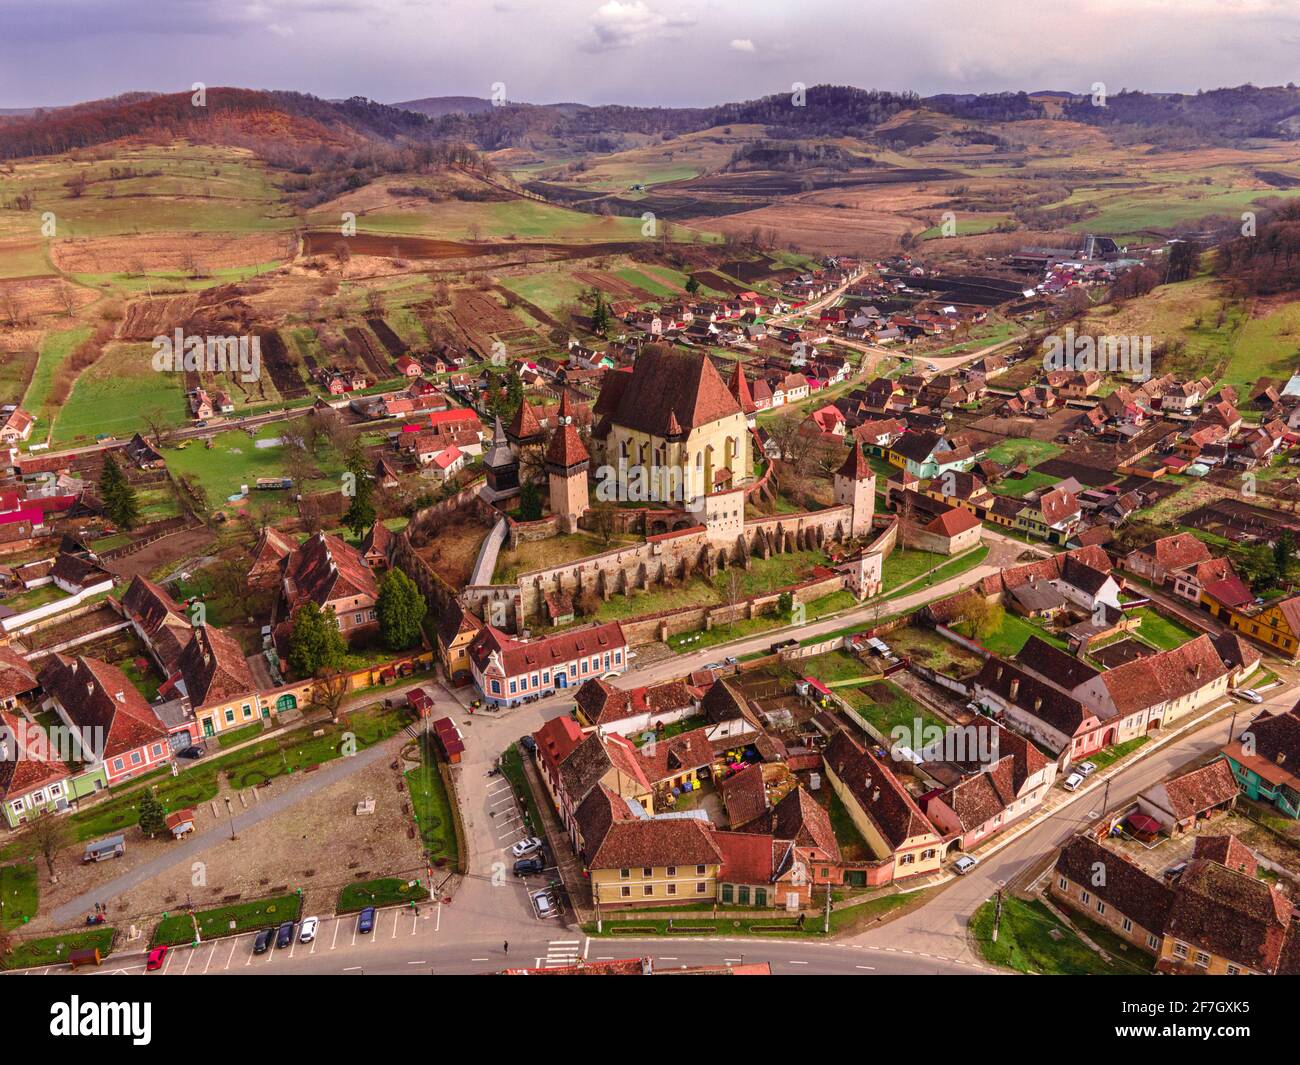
column 95, row 695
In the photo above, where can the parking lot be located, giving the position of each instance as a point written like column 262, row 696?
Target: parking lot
column 508, row 825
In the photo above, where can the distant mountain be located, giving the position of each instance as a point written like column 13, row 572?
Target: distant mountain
column 438, row 106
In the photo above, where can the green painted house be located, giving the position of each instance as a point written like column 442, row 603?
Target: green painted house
column 1265, row 759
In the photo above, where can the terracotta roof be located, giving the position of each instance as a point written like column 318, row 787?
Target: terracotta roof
column 1158, row 678
column 1044, row 701
column 378, row 539
column 1201, row 789
column 565, row 449
column 326, row 569
column 1057, row 505
column 1226, row 850
column 524, row 425
column 802, row 819
column 16, row 674
column 1275, row 743
column 740, row 389
column 856, row 467
column 1128, row 888
column 602, row 703
column 1055, row 665
column 663, row 759
column 26, row 761
column 744, row 796
column 747, row 857
column 671, row 841
column 876, row 791
column 94, row 694
column 519, row 656
column 594, row 816
column 1175, row 552
column 664, row 386
column 953, row 522
column 215, row 669
column 1230, row 914
column 166, row 628
column 979, row 798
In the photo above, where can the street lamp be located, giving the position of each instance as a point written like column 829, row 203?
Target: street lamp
column 230, row 812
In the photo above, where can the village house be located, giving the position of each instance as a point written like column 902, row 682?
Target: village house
column 1182, row 803
column 33, row 779
column 331, row 573
column 120, row 735
column 507, row 670
column 633, row 710
column 902, row 841
column 1265, row 759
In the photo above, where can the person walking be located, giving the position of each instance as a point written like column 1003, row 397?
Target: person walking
column 505, row 947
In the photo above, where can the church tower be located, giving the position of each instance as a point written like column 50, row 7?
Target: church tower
column 855, row 486
column 502, row 467
column 566, row 469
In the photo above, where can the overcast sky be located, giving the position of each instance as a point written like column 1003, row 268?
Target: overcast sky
column 678, row 52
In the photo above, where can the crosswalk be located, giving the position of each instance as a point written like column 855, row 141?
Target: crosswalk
column 559, row 953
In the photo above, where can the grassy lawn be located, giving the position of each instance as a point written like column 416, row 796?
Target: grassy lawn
column 906, row 565
column 1030, row 452
column 1031, row 939
column 1019, row 487
column 852, row 844
column 832, row 668
column 554, row 551
column 736, row 630
column 386, row 891
column 513, row 770
column 434, row 817
column 1162, row 632
column 177, row 928
column 1011, row 635
column 887, row 707
column 1112, row 754
column 239, row 735
column 20, row 895
column 928, row 648
column 954, row 567
column 51, row 950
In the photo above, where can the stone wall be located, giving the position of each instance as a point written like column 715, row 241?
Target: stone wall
column 679, row 558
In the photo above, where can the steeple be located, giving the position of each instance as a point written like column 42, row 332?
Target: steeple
column 524, row 426
column 855, row 467
column 566, row 409
column 740, row 389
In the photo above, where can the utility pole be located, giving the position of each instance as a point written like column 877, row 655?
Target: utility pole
column 997, row 916
column 826, row 918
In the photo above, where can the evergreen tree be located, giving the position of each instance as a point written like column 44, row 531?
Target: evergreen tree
column 153, row 818
column 530, row 502
column 401, row 608
column 118, row 496
column 600, row 316
column 315, row 643
column 360, row 514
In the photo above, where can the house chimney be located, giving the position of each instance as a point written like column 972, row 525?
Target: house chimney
column 1281, row 757
column 1038, row 704
column 875, row 795
column 121, row 697
column 1015, row 687
column 1197, row 671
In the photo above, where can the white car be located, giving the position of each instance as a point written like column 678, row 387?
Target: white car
column 525, row 846
column 544, row 904
column 964, row 864
column 1085, row 769
column 307, row 930
column 1249, row 694
column 1072, row 781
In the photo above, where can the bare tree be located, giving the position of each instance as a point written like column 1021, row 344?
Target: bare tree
column 328, row 692
column 50, row 833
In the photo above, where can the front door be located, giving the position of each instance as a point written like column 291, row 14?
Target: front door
column 207, row 726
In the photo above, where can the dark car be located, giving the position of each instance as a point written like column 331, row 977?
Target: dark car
column 366, row 922
column 530, row 744
column 285, row 935
column 191, row 753
column 530, row 866
column 263, row 941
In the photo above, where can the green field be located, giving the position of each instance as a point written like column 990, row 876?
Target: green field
column 435, row 817
column 54, row 950
column 177, row 928
column 20, row 894
column 115, row 394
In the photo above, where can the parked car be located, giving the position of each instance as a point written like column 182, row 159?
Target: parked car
column 264, row 940
column 524, row 846
column 1085, row 769
column 284, row 937
column 191, row 753
column 530, row 866
column 544, row 904
column 730, row 660
column 1072, row 781
column 781, row 645
column 366, row 922
column 307, row 930
column 155, row 960
column 964, row 864
column 1249, row 694
column 530, row 744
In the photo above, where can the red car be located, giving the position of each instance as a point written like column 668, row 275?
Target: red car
column 156, row 958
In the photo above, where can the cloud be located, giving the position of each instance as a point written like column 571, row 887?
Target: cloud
column 620, row 24
column 742, row 44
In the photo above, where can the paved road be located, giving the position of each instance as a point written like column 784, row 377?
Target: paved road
column 939, row 926
column 188, row 849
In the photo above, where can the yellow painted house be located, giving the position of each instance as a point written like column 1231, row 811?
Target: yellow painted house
column 887, row 817
column 654, row 863
column 1276, row 627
